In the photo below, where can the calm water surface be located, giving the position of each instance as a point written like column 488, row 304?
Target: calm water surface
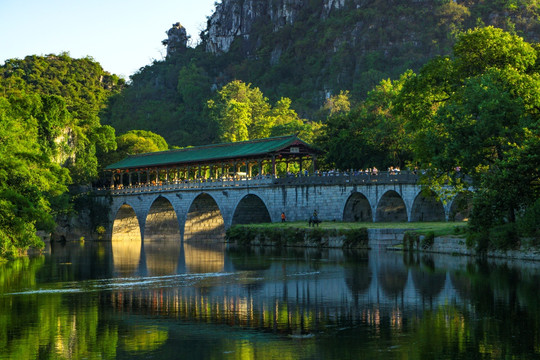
column 166, row 301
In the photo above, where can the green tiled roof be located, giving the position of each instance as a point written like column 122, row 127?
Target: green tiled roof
column 208, row 153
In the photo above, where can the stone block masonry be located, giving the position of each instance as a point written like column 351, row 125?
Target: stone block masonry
column 211, row 210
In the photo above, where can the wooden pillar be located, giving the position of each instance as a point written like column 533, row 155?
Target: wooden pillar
column 314, row 157
column 129, row 177
column 273, row 165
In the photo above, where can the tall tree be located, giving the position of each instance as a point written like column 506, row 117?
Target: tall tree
column 73, row 91
column 29, row 180
column 243, row 113
column 473, row 113
column 369, row 135
column 136, row 142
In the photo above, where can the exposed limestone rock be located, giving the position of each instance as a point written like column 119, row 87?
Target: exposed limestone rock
column 235, row 18
column 177, row 39
column 238, row 18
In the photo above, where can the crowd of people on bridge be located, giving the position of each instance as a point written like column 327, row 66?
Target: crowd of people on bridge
column 372, row 171
column 349, row 172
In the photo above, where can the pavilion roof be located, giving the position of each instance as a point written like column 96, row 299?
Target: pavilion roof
column 212, row 153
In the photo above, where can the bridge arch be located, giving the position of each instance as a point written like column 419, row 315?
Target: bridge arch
column 461, row 207
column 126, row 224
column 251, row 209
column 126, row 238
column 357, row 209
column 204, row 220
column 391, row 208
column 426, row 207
column 161, row 219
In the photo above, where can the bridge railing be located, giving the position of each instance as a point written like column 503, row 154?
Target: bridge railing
column 189, row 184
column 331, row 178
column 343, row 178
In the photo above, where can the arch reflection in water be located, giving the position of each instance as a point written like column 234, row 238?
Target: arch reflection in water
column 358, row 275
column 126, row 241
column 204, row 257
column 162, row 241
column 392, row 276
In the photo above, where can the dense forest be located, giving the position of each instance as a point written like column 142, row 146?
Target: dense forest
column 314, row 56
column 472, row 112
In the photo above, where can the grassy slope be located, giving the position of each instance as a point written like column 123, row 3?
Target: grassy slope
column 438, row 228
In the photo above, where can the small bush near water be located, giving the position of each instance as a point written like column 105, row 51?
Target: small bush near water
column 428, row 240
column 410, row 240
column 287, row 236
column 356, row 238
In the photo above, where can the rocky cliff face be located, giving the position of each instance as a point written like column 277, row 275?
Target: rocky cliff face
column 177, row 39
column 237, row 18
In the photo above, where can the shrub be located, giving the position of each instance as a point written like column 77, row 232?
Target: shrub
column 410, row 238
column 479, row 241
column 504, row 237
column 293, row 235
column 528, row 224
column 240, row 235
column 356, row 238
column 428, row 240
column 316, row 235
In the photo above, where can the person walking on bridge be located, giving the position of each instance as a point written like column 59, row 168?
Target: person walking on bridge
column 283, row 217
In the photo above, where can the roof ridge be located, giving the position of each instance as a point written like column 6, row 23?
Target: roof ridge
column 210, row 146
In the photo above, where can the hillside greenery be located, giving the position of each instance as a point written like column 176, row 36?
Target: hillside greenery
column 351, row 50
column 50, row 138
column 468, row 119
column 457, row 104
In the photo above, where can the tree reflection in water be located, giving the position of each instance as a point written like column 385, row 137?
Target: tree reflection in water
column 267, row 303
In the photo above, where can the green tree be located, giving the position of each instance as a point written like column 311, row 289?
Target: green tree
column 337, row 104
column 137, row 142
column 369, row 135
column 73, row 92
column 476, row 113
column 243, row 113
column 29, row 180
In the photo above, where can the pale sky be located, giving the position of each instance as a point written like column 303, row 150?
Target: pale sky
column 122, row 35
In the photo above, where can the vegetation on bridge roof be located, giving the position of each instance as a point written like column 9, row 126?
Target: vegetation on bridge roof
column 209, row 153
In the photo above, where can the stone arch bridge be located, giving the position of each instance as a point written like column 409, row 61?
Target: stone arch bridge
column 195, row 209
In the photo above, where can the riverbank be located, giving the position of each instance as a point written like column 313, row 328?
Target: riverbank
column 334, row 234
column 429, row 237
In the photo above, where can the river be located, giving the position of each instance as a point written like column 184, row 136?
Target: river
column 167, row 301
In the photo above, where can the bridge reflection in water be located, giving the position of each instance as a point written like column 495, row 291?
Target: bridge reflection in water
column 165, row 255
column 288, row 291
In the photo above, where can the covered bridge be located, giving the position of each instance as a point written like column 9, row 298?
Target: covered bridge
column 246, row 159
